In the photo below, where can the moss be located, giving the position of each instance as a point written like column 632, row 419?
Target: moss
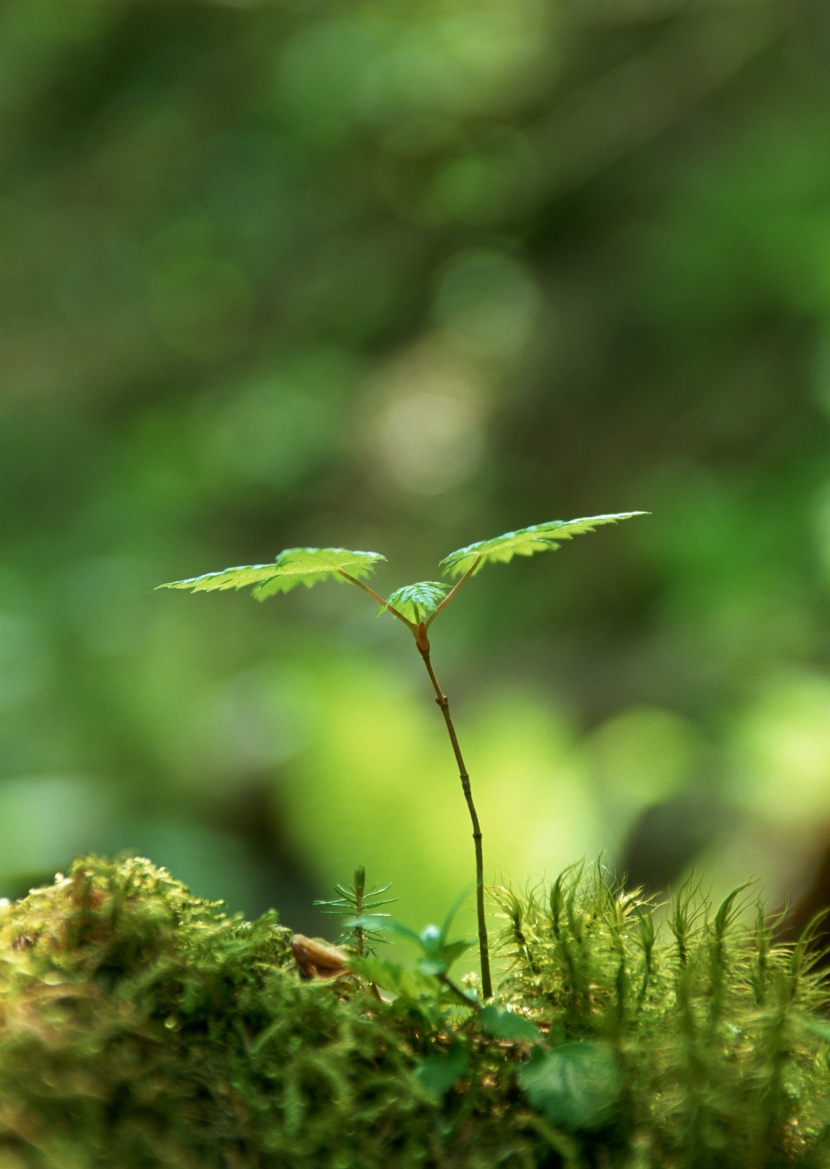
column 720, row 1032
column 141, row 1026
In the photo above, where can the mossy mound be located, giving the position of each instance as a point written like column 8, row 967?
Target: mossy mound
column 141, row 1026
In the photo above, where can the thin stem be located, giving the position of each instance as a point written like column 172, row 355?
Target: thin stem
column 452, row 592
column 459, row 993
column 483, row 945
column 419, row 633
column 390, row 608
column 359, row 891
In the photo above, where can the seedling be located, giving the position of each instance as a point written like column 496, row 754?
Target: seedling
column 416, row 606
column 356, row 902
column 437, row 953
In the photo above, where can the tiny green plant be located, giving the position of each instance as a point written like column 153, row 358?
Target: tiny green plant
column 575, row 1083
column 153, row 1028
column 437, row 953
column 416, row 606
column 356, row 902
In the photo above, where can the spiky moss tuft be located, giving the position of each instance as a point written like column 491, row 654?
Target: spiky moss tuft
column 721, row 1032
column 141, row 1027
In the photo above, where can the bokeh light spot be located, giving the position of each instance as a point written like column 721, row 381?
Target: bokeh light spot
column 783, row 750
column 641, row 757
column 429, row 429
column 463, row 59
column 431, row 440
column 488, row 303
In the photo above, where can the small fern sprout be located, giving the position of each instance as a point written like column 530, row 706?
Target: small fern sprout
column 355, row 903
column 416, row 606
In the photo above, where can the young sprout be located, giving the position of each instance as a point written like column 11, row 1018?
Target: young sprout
column 416, row 606
column 354, row 903
column 437, row 953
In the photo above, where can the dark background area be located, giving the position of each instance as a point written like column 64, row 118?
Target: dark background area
column 399, row 278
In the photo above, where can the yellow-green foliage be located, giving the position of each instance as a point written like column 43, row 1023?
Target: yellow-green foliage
column 719, row 1031
column 143, row 1027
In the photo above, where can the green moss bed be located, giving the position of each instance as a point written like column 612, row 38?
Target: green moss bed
column 143, row 1027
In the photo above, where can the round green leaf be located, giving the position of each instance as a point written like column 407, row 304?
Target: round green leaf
column 502, row 1024
column 576, row 1085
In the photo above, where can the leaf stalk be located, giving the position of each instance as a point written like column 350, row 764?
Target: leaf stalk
column 377, row 597
column 419, row 632
column 453, row 591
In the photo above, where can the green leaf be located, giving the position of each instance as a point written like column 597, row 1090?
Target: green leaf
column 440, row 961
column 454, row 908
column 538, row 538
column 576, row 1085
column 726, row 912
column 438, row 1073
column 417, row 601
column 408, row 984
column 502, row 1024
column 403, row 931
column 292, row 567
column 367, row 921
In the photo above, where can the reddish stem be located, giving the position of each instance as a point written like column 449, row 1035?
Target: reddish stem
column 483, row 944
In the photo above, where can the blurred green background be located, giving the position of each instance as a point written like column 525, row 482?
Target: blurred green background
column 401, row 277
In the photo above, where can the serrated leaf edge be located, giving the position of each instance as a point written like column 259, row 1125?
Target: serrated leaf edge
column 546, row 536
column 285, row 565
